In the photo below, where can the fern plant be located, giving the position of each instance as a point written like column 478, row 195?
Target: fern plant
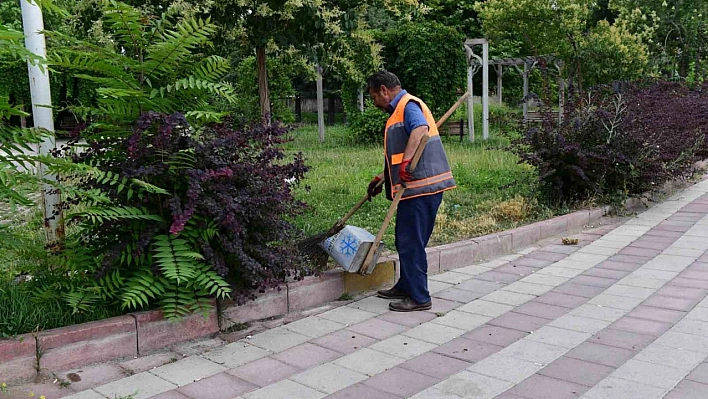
column 14, row 144
column 158, row 215
column 116, row 258
column 153, row 64
column 173, row 220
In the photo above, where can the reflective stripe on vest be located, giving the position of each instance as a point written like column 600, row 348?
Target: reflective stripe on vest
column 432, row 175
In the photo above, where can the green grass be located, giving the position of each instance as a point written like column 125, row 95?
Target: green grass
column 311, row 117
column 25, row 243
column 494, row 191
column 20, row 312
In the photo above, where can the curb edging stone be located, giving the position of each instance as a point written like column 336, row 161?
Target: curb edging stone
column 313, row 291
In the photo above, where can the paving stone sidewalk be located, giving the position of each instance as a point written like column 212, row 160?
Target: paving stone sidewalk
column 622, row 315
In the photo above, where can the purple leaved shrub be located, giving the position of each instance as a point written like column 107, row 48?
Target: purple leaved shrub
column 668, row 122
column 226, row 191
column 615, row 143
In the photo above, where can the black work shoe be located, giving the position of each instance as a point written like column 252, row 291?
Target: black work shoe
column 393, row 293
column 409, row 305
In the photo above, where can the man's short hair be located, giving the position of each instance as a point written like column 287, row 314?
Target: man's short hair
column 382, row 78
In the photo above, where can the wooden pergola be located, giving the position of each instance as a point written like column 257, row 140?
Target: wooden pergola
column 475, row 62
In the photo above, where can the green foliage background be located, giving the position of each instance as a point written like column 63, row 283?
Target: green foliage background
column 429, row 60
column 245, row 80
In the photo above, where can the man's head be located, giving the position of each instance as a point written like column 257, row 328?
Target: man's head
column 383, row 87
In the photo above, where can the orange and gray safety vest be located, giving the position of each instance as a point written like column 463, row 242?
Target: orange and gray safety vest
column 433, row 174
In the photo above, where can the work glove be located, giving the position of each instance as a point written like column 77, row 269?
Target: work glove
column 374, row 189
column 403, row 172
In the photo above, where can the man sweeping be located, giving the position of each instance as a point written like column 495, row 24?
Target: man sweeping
column 410, row 120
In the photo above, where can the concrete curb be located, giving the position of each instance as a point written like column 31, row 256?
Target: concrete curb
column 314, row 291
column 154, row 332
column 74, row 346
column 139, row 333
column 126, row 336
column 18, row 358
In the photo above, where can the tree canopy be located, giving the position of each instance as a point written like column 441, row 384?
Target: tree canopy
column 593, row 51
column 675, row 30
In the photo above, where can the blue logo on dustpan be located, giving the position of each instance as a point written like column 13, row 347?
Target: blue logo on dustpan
column 349, row 245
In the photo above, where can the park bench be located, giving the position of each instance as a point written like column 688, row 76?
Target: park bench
column 541, row 116
column 455, row 128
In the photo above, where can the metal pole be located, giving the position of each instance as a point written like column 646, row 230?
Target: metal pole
column 485, row 90
column 320, row 105
column 33, row 24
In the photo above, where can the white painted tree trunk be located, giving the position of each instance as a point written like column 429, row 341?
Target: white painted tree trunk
column 33, row 24
column 470, row 102
column 485, row 91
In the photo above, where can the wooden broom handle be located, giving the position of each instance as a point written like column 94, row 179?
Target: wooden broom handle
column 452, row 109
column 357, row 206
column 377, row 241
column 414, row 162
column 418, row 153
column 392, row 209
column 362, row 201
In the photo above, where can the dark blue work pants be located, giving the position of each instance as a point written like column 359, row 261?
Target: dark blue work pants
column 415, row 220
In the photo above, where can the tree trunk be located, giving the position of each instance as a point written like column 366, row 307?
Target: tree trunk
column 263, row 85
column 63, row 92
column 23, row 119
column 320, row 106
column 75, row 90
column 683, row 68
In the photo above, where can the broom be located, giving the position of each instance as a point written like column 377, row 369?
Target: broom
column 310, row 249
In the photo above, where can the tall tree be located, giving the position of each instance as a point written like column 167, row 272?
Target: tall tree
column 458, row 14
column 564, row 28
column 317, row 31
column 677, row 30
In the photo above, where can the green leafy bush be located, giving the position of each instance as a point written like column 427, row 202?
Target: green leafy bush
column 611, row 53
column 14, row 142
column 175, row 220
column 429, row 60
column 368, row 127
column 618, row 143
column 153, row 64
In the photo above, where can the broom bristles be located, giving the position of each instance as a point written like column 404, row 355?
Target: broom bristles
column 310, row 247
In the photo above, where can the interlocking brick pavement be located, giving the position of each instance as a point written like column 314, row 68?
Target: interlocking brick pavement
column 623, row 315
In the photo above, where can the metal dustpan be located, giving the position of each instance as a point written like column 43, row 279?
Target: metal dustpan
column 349, row 248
